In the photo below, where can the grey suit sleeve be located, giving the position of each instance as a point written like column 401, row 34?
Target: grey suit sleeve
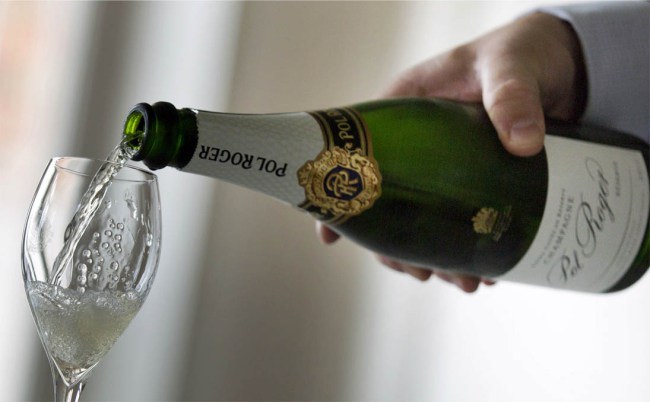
column 615, row 38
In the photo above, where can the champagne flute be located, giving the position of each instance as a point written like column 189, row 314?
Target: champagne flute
column 86, row 280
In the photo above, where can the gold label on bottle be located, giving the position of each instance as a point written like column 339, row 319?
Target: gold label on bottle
column 344, row 179
column 340, row 182
column 489, row 221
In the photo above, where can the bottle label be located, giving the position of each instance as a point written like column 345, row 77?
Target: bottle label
column 320, row 161
column 594, row 221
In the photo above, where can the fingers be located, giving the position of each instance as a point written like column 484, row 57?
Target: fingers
column 327, row 235
column 511, row 97
column 418, row 273
column 466, row 283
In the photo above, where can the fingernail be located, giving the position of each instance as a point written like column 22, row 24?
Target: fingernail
column 525, row 131
column 419, row 274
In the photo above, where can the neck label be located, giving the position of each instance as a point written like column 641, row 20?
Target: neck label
column 321, row 161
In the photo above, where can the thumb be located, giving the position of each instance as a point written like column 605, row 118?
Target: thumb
column 449, row 75
column 512, row 99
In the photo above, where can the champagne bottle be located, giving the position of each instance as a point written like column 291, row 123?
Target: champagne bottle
column 427, row 182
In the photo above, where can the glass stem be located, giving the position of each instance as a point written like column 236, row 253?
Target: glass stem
column 65, row 393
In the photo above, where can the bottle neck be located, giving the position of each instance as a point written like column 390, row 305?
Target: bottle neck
column 161, row 135
column 262, row 152
column 320, row 161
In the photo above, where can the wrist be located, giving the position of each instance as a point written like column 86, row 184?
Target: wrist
column 562, row 36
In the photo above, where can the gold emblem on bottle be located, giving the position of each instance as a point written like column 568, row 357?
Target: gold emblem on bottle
column 340, row 182
column 489, row 221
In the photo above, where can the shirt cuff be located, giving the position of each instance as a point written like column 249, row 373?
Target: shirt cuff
column 615, row 38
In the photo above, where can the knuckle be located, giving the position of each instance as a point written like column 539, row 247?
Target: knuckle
column 513, row 90
column 514, row 87
column 459, row 55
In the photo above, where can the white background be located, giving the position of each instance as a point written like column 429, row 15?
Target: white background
column 247, row 304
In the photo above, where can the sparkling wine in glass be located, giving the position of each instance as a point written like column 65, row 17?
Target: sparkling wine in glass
column 90, row 253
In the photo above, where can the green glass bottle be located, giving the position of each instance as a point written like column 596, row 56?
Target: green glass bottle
column 427, row 182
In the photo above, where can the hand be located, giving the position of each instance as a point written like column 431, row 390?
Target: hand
column 521, row 72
